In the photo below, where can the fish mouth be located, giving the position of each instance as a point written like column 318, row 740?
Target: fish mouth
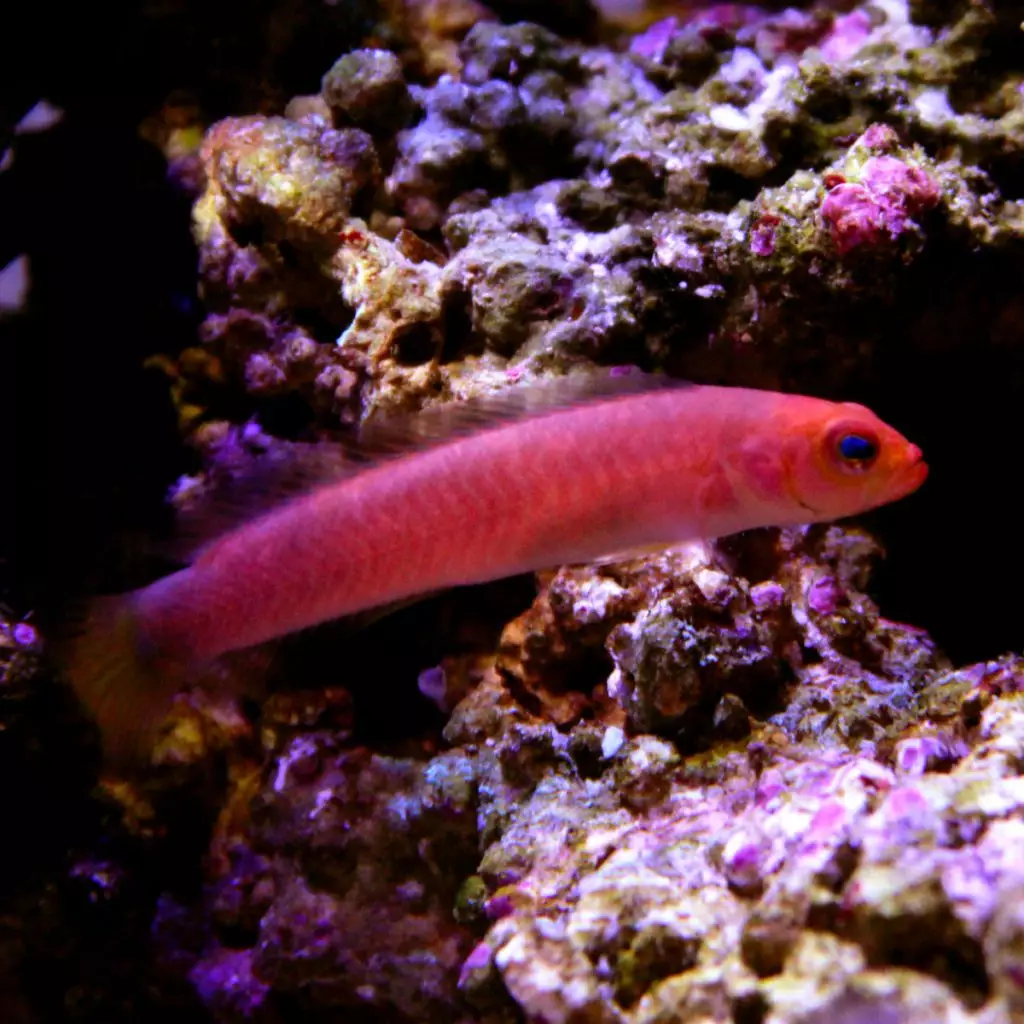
column 916, row 471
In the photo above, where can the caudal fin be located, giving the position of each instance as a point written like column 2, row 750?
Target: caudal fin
column 125, row 687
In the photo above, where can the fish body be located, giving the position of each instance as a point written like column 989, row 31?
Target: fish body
column 573, row 484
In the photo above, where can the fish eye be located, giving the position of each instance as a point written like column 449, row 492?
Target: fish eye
column 857, row 451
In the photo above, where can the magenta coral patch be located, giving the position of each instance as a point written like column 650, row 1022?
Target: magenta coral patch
column 853, row 216
column 880, row 206
column 900, row 183
column 849, row 33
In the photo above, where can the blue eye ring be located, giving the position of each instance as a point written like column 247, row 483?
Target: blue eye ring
column 857, row 449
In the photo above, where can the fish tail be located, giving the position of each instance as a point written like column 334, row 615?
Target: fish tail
column 122, row 681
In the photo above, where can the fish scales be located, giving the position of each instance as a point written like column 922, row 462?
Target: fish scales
column 571, row 485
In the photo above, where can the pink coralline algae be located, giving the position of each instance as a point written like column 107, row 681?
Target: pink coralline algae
column 880, row 206
column 847, row 36
column 918, row 754
column 653, row 43
column 879, row 138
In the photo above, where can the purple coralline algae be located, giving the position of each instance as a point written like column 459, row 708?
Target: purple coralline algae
column 710, row 784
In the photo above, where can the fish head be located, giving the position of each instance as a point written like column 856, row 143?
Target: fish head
column 844, row 460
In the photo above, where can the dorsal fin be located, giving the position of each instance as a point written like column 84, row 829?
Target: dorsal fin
column 290, row 469
column 445, row 421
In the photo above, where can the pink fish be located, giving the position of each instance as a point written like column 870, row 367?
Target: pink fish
column 568, row 472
